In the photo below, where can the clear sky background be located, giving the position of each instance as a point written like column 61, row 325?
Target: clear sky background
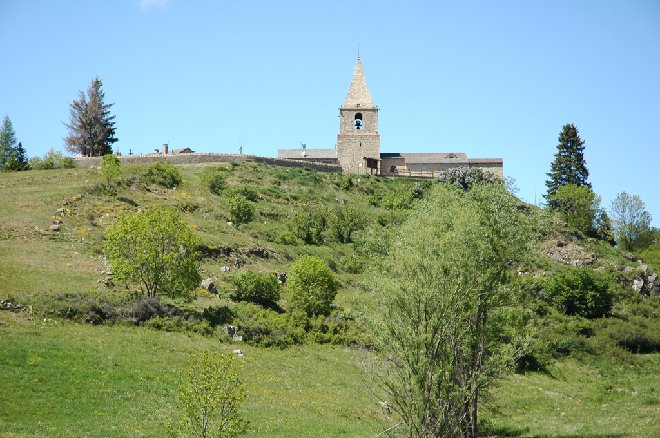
column 489, row 78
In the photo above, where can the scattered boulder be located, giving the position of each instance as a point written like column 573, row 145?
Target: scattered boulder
column 209, row 285
column 646, row 282
column 225, row 269
column 569, row 253
column 55, row 227
column 239, row 353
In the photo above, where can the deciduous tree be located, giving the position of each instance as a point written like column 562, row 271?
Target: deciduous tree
column 632, row 223
column 312, row 286
column 568, row 166
column 210, row 396
column 91, row 126
column 154, row 248
column 447, row 322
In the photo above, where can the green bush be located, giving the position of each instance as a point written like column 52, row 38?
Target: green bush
column 345, row 221
column 162, row 174
column 267, row 328
column 241, row 210
column 309, row 223
column 312, row 286
column 255, row 287
column 578, row 205
column 52, row 160
column 215, row 181
column 248, row 192
column 179, row 324
column 580, row 291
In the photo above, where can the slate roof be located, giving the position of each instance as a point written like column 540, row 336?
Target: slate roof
column 420, row 158
column 307, row 153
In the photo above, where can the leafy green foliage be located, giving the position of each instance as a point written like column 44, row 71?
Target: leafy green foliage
column 215, row 181
column 17, row 160
column 52, row 160
column 344, row 221
column 632, row 223
column 603, row 227
column 568, row 166
column 312, row 286
column 578, row 205
column 241, row 210
column 110, row 168
column 309, row 223
column 154, row 248
column 91, row 127
column 162, row 174
column 211, row 392
column 580, row 291
column 256, row 287
column 448, row 326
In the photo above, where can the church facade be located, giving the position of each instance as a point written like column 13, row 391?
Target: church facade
column 358, row 143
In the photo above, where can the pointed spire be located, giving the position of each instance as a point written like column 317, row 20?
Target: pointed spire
column 358, row 93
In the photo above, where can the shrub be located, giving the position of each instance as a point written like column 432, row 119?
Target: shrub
column 308, row 224
column 211, row 392
column 346, row 220
column 580, row 291
column 267, row 328
column 248, row 192
column 146, row 308
column 215, row 182
column 256, row 287
column 162, row 174
column 578, row 205
column 241, row 210
column 179, row 324
column 52, row 160
column 312, row 286
column 110, row 168
column 219, row 315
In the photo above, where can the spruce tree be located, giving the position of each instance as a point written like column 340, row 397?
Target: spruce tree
column 568, row 166
column 7, row 141
column 91, row 127
column 17, row 160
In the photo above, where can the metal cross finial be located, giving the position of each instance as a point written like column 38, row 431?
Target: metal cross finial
column 358, row 49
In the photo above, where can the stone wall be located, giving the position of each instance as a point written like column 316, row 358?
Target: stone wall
column 198, row 158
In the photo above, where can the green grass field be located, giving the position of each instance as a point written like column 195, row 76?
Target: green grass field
column 66, row 378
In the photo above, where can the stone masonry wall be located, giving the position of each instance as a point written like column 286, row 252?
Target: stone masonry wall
column 198, row 158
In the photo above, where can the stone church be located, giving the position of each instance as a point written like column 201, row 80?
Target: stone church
column 358, row 143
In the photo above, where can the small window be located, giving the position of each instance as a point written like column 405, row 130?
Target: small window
column 357, row 124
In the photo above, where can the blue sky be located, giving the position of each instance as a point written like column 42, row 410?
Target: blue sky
column 492, row 79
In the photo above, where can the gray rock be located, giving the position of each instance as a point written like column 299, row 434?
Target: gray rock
column 225, row 269
column 209, row 286
column 55, row 227
column 638, row 285
column 231, row 330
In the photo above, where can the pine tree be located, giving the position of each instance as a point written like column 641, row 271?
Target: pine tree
column 91, row 127
column 7, row 141
column 569, row 166
column 18, row 159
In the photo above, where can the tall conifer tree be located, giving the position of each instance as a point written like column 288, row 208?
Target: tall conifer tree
column 568, row 166
column 91, row 127
column 7, row 141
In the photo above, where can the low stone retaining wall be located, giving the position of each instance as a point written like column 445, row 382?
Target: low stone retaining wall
column 197, row 158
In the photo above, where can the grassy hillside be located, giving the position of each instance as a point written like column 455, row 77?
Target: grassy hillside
column 63, row 376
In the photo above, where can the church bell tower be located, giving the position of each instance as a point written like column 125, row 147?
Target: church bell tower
column 358, row 141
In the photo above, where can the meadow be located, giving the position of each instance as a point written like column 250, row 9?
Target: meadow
column 62, row 376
